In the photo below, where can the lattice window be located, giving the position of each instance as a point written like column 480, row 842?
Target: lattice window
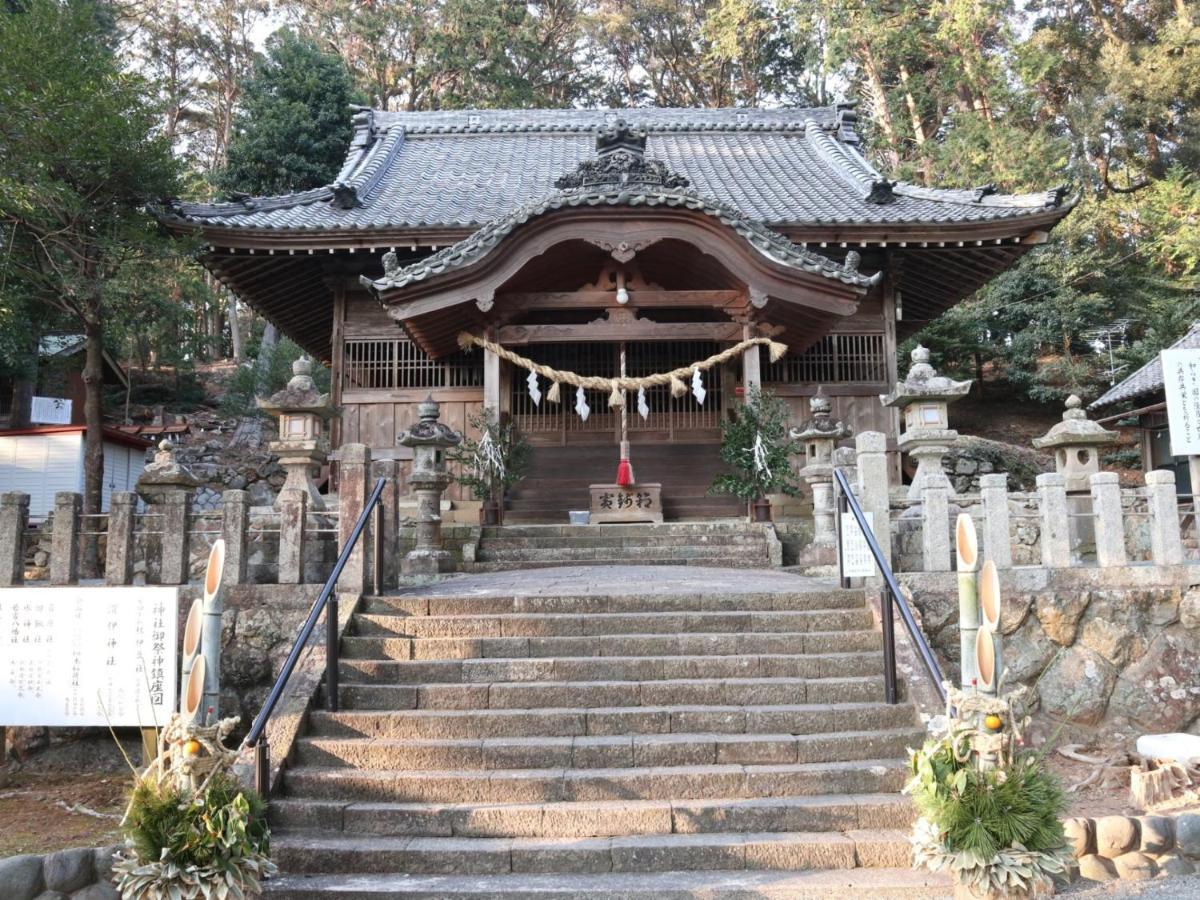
column 853, row 358
column 397, row 364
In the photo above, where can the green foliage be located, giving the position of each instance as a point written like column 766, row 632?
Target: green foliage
column 756, row 446
column 983, row 811
column 493, row 462
column 264, row 374
column 217, row 829
column 293, row 127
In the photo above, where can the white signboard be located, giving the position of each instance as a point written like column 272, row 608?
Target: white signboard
column 1181, row 379
column 74, row 656
column 50, row 411
column 857, row 561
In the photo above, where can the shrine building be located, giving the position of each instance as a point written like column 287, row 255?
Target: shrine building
column 567, row 236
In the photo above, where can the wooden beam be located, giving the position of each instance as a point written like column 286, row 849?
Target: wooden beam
column 602, row 299
column 641, row 330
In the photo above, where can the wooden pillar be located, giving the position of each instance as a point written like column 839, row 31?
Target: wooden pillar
column 751, row 363
column 337, row 359
column 491, row 382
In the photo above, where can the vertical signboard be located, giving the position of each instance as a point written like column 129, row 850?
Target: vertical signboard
column 854, row 551
column 85, row 656
column 1181, row 381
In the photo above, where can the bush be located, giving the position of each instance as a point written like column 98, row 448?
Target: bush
column 755, row 444
column 264, row 376
column 491, row 464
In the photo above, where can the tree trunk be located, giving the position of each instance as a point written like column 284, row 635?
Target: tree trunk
column 883, row 115
column 93, row 445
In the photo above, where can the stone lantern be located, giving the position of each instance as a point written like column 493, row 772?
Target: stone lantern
column 924, row 398
column 819, row 436
column 302, row 447
column 1075, row 443
column 429, row 439
column 166, row 487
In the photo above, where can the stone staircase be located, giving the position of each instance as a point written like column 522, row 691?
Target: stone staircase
column 633, row 744
column 726, row 544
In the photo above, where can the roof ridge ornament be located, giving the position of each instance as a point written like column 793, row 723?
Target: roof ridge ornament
column 621, row 160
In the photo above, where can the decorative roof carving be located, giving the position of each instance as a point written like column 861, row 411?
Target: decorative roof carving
column 620, row 160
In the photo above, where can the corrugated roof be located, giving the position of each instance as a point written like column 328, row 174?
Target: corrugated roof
column 457, row 169
column 1149, row 378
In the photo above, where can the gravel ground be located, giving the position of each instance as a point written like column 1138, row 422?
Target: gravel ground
column 1179, row 887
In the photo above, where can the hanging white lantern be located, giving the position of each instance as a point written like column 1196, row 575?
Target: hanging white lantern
column 535, row 393
column 581, row 405
column 698, row 390
column 643, row 407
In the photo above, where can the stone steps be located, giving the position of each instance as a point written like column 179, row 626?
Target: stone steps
column 604, row 751
column 816, row 884
column 602, row 538
column 608, row 668
column 752, row 561
column 577, row 722
column 637, row 644
column 592, row 694
column 869, row 848
column 559, row 744
column 831, row 812
column 680, row 555
column 750, row 601
column 589, row 624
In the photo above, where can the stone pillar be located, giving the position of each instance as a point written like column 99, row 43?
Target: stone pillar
column 997, row 539
column 64, row 544
column 118, row 564
column 1056, row 523
column 14, row 516
column 352, row 497
column 491, row 382
column 293, row 510
column 1109, row 523
column 935, row 528
column 235, row 524
column 174, row 507
column 390, row 517
column 873, row 486
column 1166, row 544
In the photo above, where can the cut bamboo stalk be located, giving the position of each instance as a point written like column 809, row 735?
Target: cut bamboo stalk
column 966, row 544
column 193, row 691
column 210, row 643
column 191, row 643
column 989, row 610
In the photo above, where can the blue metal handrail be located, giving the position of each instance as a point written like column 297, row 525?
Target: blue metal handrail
column 890, row 594
column 326, row 602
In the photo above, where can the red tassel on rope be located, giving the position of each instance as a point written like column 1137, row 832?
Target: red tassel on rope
column 624, row 473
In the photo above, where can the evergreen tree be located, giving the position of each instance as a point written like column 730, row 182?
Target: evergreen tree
column 293, row 127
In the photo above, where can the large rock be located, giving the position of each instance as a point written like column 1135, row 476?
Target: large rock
column 98, row 892
column 1078, row 832
column 1076, row 686
column 1189, row 609
column 1060, row 613
column 1116, row 836
column 1027, row 652
column 1160, row 692
column 69, row 870
column 1013, row 612
column 1187, row 835
column 21, row 877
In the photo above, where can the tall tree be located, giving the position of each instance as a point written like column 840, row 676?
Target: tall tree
column 79, row 160
column 293, row 124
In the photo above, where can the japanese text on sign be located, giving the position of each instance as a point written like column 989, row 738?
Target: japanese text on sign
column 1181, row 379
column 72, row 656
column 857, row 561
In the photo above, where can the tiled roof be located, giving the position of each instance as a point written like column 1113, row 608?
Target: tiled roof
column 1149, row 378
column 463, row 169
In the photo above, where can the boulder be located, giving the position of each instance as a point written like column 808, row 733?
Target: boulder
column 1160, row 691
column 1135, row 867
column 21, row 877
column 1116, row 836
column 1060, row 613
column 1157, row 834
column 69, row 870
column 98, row 892
column 1013, row 611
column 1078, row 832
column 1187, row 835
column 1096, row 868
column 1174, row 864
column 1076, row 686
column 1027, row 652
column 1189, row 609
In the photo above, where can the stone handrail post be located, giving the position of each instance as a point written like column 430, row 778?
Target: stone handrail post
column 997, row 538
column 1056, row 522
column 293, row 510
column 935, row 527
column 390, row 517
column 352, row 497
column 1109, row 519
column 235, row 525
column 174, row 508
column 118, row 563
column 14, row 517
column 873, row 486
column 64, row 544
column 1166, row 543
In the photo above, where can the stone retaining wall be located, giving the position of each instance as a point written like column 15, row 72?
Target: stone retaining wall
column 1134, row 848
column 83, row 874
column 1113, row 651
